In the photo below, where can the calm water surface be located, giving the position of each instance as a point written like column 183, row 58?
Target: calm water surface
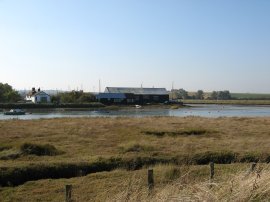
column 196, row 110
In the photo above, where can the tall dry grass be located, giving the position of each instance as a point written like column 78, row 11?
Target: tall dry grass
column 232, row 182
column 240, row 187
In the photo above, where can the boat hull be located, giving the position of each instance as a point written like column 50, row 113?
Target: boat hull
column 14, row 113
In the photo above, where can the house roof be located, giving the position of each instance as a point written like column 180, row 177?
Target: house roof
column 140, row 91
column 37, row 93
column 111, row 96
column 41, row 92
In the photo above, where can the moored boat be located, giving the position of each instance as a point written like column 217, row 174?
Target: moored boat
column 138, row 106
column 15, row 112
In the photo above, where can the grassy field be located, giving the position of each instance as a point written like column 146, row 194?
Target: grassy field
column 237, row 99
column 122, row 148
column 254, row 96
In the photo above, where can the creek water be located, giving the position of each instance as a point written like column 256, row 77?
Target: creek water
column 205, row 110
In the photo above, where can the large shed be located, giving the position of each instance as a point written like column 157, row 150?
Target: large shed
column 124, row 95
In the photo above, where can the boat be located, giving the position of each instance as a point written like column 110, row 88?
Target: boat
column 15, row 112
column 138, row 106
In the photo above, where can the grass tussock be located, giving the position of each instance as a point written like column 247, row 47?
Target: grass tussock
column 39, row 150
column 12, row 153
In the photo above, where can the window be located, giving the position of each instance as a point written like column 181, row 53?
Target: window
column 118, row 100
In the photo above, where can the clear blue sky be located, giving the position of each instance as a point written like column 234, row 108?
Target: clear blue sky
column 198, row 44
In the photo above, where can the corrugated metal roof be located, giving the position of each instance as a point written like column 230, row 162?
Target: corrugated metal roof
column 111, row 95
column 141, row 91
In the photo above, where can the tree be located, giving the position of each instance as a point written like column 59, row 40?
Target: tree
column 55, row 99
column 8, row 94
column 75, row 97
column 221, row 95
column 214, row 95
column 224, row 95
column 199, row 95
column 86, row 97
column 182, row 93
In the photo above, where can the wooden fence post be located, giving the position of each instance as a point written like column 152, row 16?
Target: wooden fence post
column 212, row 170
column 68, row 193
column 150, row 179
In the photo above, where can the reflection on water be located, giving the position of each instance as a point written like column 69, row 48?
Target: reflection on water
column 195, row 110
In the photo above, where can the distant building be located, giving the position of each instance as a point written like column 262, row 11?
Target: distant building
column 122, row 95
column 38, row 96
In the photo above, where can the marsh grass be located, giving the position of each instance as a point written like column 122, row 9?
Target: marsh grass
column 85, row 139
column 106, row 144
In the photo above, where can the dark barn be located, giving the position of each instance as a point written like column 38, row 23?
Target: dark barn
column 121, row 95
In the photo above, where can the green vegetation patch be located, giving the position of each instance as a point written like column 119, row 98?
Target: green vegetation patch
column 223, row 157
column 39, row 150
column 4, row 147
column 251, row 96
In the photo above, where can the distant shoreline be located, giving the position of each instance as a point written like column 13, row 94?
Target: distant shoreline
column 228, row 102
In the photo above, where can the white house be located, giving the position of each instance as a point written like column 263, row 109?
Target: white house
column 38, row 96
